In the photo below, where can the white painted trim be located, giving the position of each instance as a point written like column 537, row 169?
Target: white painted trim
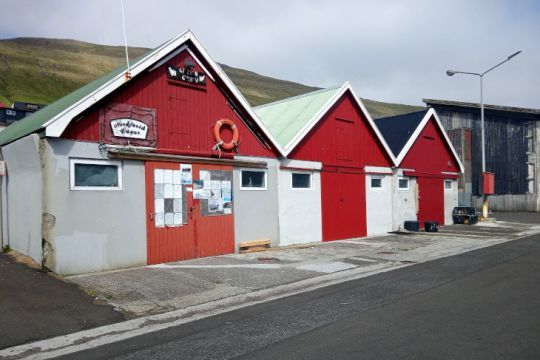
column 178, row 51
column 378, row 169
column 408, row 183
column 302, row 173
column 254, row 188
column 380, row 177
column 56, row 126
column 74, row 161
column 431, row 112
column 301, row 164
column 449, row 173
column 320, row 114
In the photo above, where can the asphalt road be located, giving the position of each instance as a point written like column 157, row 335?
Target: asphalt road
column 483, row 304
column 34, row 306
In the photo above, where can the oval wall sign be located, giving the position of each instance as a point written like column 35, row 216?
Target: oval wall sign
column 129, row 128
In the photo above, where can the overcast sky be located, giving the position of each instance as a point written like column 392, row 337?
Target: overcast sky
column 395, row 51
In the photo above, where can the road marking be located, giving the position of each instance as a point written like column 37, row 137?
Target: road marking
column 104, row 335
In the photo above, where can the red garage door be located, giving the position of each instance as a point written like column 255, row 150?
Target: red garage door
column 431, row 200
column 343, row 204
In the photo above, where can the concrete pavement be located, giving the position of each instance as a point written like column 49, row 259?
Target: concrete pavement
column 166, row 287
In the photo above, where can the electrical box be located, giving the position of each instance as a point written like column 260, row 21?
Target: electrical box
column 489, row 183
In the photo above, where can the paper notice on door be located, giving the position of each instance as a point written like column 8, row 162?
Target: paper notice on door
column 185, row 169
column 204, row 175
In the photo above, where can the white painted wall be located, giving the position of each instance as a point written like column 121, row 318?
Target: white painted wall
column 404, row 203
column 92, row 230
column 300, row 214
column 379, row 205
column 450, row 202
column 23, row 203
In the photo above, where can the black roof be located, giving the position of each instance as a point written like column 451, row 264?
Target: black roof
column 397, row 130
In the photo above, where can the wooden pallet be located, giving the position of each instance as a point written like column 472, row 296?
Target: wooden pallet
column 254, row 246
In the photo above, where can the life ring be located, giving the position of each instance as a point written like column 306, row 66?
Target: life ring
column 220, row 143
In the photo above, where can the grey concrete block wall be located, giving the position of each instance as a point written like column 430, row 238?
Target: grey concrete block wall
column 92, row 230
column 23, row 197
column 256, row 211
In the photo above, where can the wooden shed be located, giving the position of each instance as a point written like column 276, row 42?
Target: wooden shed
column 428, row 165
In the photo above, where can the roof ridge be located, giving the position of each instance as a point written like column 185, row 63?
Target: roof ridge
column 401, row 115
column 296, row 97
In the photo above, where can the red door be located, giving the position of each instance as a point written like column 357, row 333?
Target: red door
column 343, row 204
column 430, row 200
column 198, row 236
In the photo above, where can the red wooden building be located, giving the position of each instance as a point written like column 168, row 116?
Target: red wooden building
column 333, row 127
column 424, row 152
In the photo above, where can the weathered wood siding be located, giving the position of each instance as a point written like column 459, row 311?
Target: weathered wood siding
column 506, row 145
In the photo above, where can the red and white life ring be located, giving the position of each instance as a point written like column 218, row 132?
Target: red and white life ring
column 217, row 129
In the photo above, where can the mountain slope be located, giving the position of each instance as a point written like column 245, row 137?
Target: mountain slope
column 42, row 70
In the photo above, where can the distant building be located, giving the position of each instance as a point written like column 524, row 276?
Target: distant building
column 512, row 138
column 18, row 110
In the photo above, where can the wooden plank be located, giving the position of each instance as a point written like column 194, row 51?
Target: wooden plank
column 252, row 243
column 253, row 249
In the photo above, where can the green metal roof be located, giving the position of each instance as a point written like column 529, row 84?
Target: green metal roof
column 35, row 121
column 286, row 118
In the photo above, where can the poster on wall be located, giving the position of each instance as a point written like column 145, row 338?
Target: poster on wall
column 214, row 190
column 169, row 199
column 185, row 170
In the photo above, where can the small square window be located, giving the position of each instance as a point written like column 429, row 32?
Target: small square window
column 448, row 184
column 301, row 181
column 253, row 180
column 376, row 182
column 95, row 175
column 403, row 183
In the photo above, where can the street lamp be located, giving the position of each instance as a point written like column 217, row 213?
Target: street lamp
column 481, row 76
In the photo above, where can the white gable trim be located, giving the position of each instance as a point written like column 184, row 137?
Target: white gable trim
column 431, row 112
column 320, row 114
column 56, row 126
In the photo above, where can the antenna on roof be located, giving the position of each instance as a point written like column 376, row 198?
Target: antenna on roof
column 128, row 73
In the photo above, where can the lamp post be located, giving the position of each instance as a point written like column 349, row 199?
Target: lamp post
column 481, row 76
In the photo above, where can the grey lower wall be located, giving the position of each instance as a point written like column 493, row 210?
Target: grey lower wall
column 23, row 203
column 256, row 211
column 91, row 230
column 524, row 202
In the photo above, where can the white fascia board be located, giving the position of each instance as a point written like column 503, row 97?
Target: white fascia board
column 302, row 164
column 178, row 51
column 56, row 126
column 439, row 123
column 314, row 120
column 373, row 126
column 238, row 95
column 431, row 112
column 378, row 170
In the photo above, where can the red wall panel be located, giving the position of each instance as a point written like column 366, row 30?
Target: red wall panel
column 343, row 138
column 430, row 154
column 184, row 114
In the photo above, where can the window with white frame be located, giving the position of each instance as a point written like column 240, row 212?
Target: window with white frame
column 88, row 174
column 403, row 183
column 448, row 184
column 253, row 180
column 376, row 182
column 301, row 181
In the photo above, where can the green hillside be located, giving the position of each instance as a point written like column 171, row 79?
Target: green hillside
column 42, row 70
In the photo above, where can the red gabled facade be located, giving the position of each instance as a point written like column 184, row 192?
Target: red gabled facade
column 345, row 143
column 432, row 161
column 185, row 114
